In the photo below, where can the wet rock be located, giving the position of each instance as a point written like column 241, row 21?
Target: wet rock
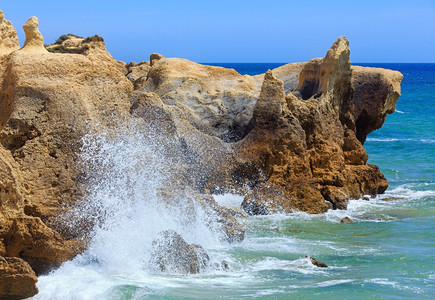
column 174, row 255
column 221, row 266
column 150, row 107
column 392, row 199
column 346, row 220
column 225, row 217
column 43, row 248
column 317, row 263
column 365, row 198
column 17, row 279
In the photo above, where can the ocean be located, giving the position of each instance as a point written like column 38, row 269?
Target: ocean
column 387, row 253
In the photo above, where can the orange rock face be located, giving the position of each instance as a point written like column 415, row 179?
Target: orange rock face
column 17, row 279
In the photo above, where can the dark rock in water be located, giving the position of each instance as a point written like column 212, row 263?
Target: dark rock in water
column 366, row 198
column 173, row 254
column 222, row 266
column 317, row 263
column 346, row 220
column 17, row 279
column 392, row 198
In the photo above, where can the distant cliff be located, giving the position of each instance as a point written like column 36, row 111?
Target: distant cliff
column 289, row 140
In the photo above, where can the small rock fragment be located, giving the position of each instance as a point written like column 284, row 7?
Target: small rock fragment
column 346, row 220
column 392, row 198
column 317, row 263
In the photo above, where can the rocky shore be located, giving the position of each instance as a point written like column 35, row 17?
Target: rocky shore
column 289, row 140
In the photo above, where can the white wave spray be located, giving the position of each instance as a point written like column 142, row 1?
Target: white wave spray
column 129, row 202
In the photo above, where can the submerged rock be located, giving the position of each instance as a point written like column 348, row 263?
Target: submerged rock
column 174, row 255
column 392, row 198
column 346, row 220
column 316, row 262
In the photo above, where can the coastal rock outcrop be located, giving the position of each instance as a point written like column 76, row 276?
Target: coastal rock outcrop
column 17, row 279
column 42, row 247
column 289, row 140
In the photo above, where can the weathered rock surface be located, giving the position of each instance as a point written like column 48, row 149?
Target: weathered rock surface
column 154, row 57
column 17, row 279
column 290, row 140
column 34, row 40
column 8, row 36
column 42, row 247
column 174, row 255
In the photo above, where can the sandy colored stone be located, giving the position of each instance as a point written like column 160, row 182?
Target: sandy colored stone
column 375, row 95
column 43, row 248
column 215, row 100
column 34, row 40
column 8, row 36
column 17, row 279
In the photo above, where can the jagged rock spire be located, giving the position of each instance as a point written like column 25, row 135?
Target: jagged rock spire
column 268, row 109
column 330, row 74
column 34, row 40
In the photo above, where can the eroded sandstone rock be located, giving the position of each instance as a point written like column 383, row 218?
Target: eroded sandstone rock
column 34, row 40
column 154, row 57
column 8, row 36
column 43, row 248
column 17, row 279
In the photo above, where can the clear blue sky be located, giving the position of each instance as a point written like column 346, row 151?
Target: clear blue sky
column 240, row 31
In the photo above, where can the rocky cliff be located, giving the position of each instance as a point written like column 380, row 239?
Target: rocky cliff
column 289, row 140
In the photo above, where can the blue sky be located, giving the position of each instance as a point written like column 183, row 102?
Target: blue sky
column 240, row 31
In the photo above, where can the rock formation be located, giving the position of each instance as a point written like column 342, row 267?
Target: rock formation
column 17, row 279
column 289, row 140
column 173, row 254
column 8, row 36
column 34, row 40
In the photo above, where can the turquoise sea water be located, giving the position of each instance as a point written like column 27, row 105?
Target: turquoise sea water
column 387, row 253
